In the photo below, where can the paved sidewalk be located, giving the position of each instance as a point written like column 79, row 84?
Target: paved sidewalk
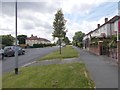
column 103, row 70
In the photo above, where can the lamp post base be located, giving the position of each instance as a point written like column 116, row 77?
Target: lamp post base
column 16, row 70
column 118, row 52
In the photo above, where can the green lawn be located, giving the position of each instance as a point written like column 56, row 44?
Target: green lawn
column 0, row 81
column 67, row 52
column 50, row 76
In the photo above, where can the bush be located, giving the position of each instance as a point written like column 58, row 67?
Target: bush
column 80, row 44
column 42, row 45
column 37, row 45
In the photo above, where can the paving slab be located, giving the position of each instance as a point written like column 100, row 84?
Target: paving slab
column 102, row 69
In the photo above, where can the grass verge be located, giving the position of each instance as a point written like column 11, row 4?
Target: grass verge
column 1, row 82
column 67, row 52
column 50, row 76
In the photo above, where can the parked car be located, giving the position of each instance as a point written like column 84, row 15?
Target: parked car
column 10, row 51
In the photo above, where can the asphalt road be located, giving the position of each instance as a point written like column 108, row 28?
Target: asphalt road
column 8, row 64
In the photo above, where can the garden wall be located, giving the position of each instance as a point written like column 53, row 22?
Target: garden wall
column 96, row 49
column 118, row 45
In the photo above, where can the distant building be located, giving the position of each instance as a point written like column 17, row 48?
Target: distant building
column 36, row 40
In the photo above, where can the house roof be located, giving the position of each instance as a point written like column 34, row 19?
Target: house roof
column 112, row 20
column 89, row 33
column 36, row 38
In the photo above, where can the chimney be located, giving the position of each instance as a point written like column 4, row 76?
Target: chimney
column 106, row 20
column 98, row 25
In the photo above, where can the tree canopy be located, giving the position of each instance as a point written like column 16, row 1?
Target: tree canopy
column 66, row 40
column 78, row 37
column 7, row 40
column 22, row 39
column 59, row 25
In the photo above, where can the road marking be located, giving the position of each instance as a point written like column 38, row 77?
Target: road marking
column 28, row 64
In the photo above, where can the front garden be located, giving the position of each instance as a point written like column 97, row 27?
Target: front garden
column 109, row 45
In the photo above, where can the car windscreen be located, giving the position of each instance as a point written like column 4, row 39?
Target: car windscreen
column 7, row 48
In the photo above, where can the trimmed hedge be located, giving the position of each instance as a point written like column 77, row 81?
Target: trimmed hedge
column 42, row 45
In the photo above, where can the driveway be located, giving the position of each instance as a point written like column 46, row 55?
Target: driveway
column 31, row 55
column 102, row 69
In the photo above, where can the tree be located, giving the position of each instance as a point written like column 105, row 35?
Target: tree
column 22, row 39
column 78, row 37
column 7, row 40
column 66, row 40
column 59, row 26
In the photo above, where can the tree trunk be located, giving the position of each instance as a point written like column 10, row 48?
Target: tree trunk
column 60, row 44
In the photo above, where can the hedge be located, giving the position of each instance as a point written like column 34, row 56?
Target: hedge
column 42, row 45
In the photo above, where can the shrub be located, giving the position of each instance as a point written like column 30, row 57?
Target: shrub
column 42, row 45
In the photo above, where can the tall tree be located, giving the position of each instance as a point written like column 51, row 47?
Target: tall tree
column 78, row 37
column 7, row 40
column 59, row 26
column 22, row 39
column 66, row 40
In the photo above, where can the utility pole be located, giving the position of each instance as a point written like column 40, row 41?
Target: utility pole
column 16, row 48
column 118, row 41
column 118, row 45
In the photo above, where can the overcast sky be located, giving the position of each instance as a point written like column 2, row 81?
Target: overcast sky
column 37, row 17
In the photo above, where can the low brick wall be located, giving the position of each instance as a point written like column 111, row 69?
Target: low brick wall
column 113, row 52
column 94, row 50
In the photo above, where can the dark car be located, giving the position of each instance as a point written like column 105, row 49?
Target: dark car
column 10, row 51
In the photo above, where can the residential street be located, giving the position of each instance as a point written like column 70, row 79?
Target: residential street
column 103, row 70
column 31, row 55
column 60, row 44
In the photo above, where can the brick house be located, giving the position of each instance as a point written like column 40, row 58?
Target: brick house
column 109, row 28
column 36, row 40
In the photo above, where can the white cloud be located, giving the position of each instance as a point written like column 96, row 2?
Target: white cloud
column 7, row 25
column 84, row 26
column 80, row 6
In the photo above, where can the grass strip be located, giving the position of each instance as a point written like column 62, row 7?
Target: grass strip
column 67, row 52
column 50, row 76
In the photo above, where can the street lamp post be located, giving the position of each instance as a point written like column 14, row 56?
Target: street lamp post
column 118, row 41
column 16, row 49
